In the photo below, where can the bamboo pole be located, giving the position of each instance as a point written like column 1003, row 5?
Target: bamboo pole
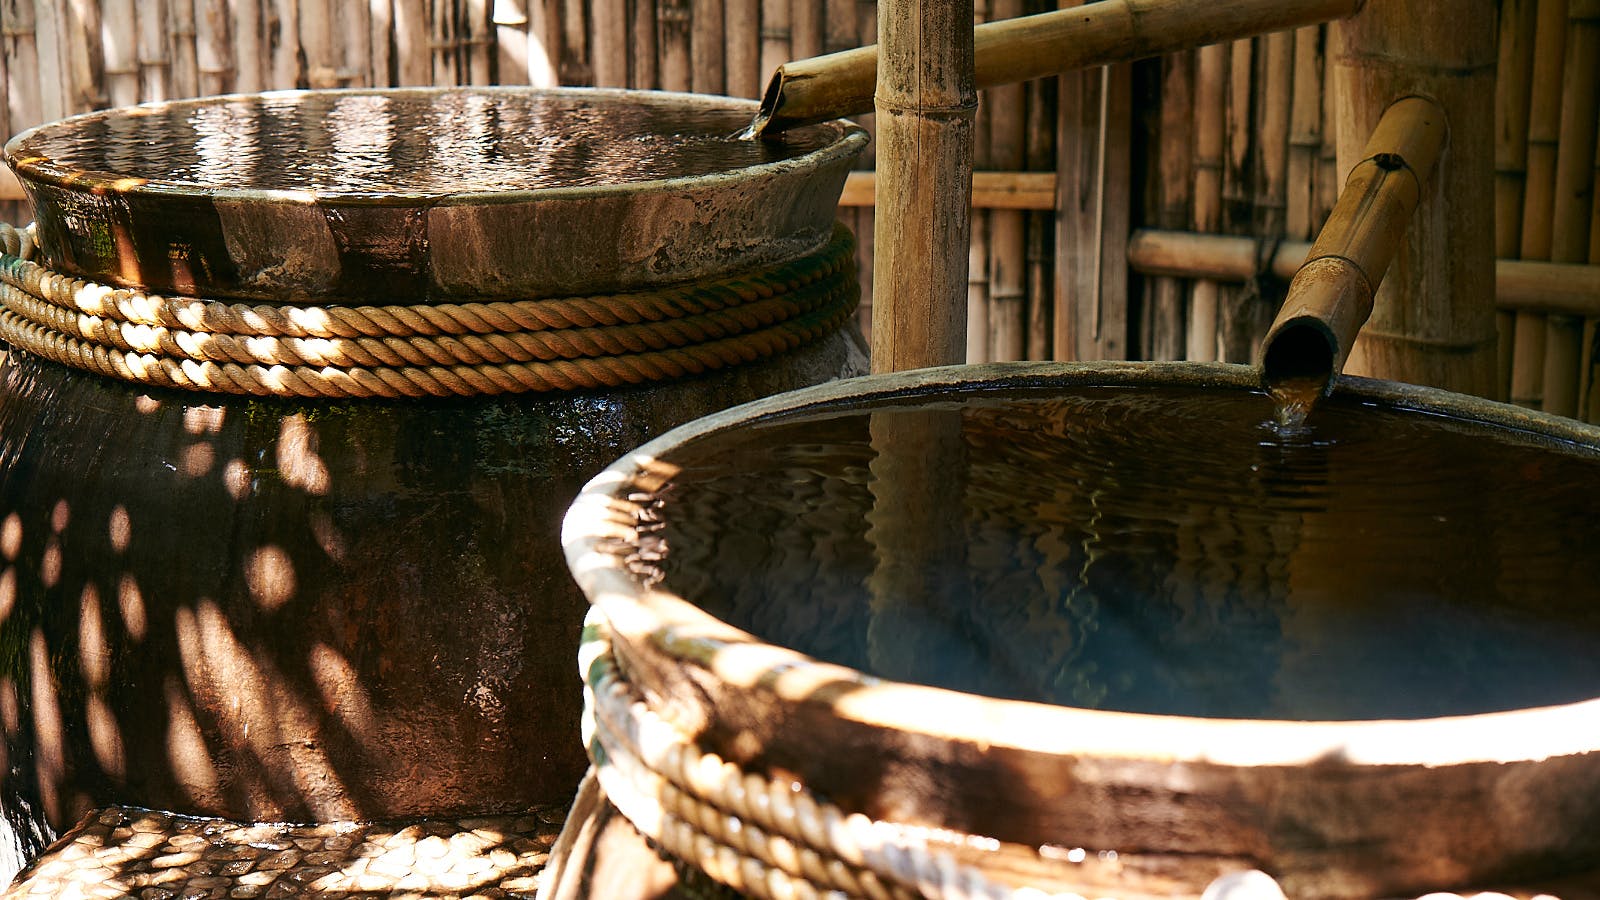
column 706, row 46
column 839, row 30
column 742, row 55
column 1519, row 284
column 1574, row 197
column 1332, row 294
column 978, row 344
column 84, row 55
column 282, row 49
column 805, row 29
column 23, row 106
column 1544, row 124
column 1174, row 188
column 155, row 62
column 925, row 105
column 51, row 60
column 610, row 19
column 672, row 20
column 1041, row 158
column 316, row 39
column 353, row 55
column 477, row 40
column 642, row 58
column 119, row 42
column 246, row 28
column 1592, row 384
column 775, row 46
column 213, row 49
column 1239, row 185
column 1273, row 114
column 380, row 58
column 1210, row 94
column 1433, row 318
column 1328, row 171
column 1305, row 134
column 1109, row 31
column 1513, row 86
column 1008, row 297
column 185, row 49
column 413, row 59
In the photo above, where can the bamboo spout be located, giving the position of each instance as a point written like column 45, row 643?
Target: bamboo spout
column 1331, row 295
column 1012, row 50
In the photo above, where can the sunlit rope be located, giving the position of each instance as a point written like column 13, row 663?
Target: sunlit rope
column 763, row 837
column 423, row 350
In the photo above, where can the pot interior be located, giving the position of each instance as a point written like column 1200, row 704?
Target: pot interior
column 1149, row 548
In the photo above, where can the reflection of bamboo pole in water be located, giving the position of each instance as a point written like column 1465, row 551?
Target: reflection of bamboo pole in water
column 917, row 530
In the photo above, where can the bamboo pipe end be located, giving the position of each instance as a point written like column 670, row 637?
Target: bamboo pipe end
column 1329, row 300
column 1304, row 351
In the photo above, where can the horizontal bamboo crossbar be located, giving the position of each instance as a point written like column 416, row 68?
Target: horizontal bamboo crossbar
column 990, row 190
column 1520, row 285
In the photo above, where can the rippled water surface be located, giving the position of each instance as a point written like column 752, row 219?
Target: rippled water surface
column 1166, row 551
column 414, row 141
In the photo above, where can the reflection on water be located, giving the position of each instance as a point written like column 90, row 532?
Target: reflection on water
column 433, row 143
column 1155, row 551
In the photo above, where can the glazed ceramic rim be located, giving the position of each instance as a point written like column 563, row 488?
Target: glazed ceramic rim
column 849, row 139
column 671, row 625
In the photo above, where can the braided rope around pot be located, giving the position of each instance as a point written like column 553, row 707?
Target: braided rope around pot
column 766, row 838
column 421, row 350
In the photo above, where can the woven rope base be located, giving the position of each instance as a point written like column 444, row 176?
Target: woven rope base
column 424, row 350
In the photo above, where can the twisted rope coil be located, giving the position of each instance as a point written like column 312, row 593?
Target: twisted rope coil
column 422, row 350
column 763, row 837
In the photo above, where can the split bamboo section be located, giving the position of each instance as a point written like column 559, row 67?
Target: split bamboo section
column 1097, row 34
column 1331, row 296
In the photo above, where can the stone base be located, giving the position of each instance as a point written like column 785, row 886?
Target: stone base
column 126, row 852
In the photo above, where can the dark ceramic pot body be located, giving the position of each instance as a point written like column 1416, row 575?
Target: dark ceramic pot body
column 270, row 609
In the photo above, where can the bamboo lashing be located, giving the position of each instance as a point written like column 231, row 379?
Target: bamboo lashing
column 1331, row 296
column 438, row 350
column 1109, row 31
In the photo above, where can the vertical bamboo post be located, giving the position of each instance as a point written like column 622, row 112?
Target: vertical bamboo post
column 1544, row 130
column 51, row 60
column 413, row 60
column 81, row 45
column 1041, row 158
column 1574, row 197
column 1210, row 91
column 839, row 30
column 742, row 55
column 1305, row 134
column 1174, row 191
column 282, row 50
column 380, row 58
column 246, row 27
column 477, row 39
column 925, row 105
column 119, row 41
column 805, row 28
column 317, row 42
column 1238, row 194
column 774, row 35
column 1433, row 320
column 23, row 109
column 706, row 46
column 978, row 345
column 1007, row 248
column 672, row 20
column 610, row 42
column 1328, row 170
column 155, row 61
column 1592, row 370
column 642, row 56
column 1513, row 87
column 185, row 50
column 866, row 217
column 213, row 49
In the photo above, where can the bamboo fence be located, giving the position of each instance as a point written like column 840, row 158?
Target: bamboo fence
column 1073, row 173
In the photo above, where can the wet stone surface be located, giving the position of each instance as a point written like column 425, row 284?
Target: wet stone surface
column 124, row 852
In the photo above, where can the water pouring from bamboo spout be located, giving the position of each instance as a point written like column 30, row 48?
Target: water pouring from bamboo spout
column 1331, row 295
column 1110, row 31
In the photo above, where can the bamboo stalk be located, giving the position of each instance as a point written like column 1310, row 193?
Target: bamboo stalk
column 1519, row 284
column 1331, row 296
column 282, row 48
column 245, row 27
column 978, row 346
column 119, row 42
column 1040, row 159
column 839, row 26
column 316, row 39
column 805, row 30
column 1592, row 385
column 1210, row 94
column 610, row 18
column 1008, row 296
column 1329, row 174
column 413, row 58
column 1544, row 124
column 478, row 42
column 185, row 49
column 1273, row 114
column 353, row 61
column 775, row 48
column 1109, row 31
column 866, row 221
column 642, row 58
column 742, row 54
column 1513, row 86
column 706, row 46
column 213, row 49
column 1239, row 183
column 51, row 60
column 1574, row 197
column 23, row 101
column 84, row 55
column 154, row 59
column 443, row 42
column 575, row 64
column 380, row 59
column 1433, row 319
column 1174, row 188
column 672, row 41
column 925, row 104
column 1305, row 134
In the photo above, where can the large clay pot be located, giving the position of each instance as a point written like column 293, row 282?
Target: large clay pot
column 1334, row 801
column 318, row 610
